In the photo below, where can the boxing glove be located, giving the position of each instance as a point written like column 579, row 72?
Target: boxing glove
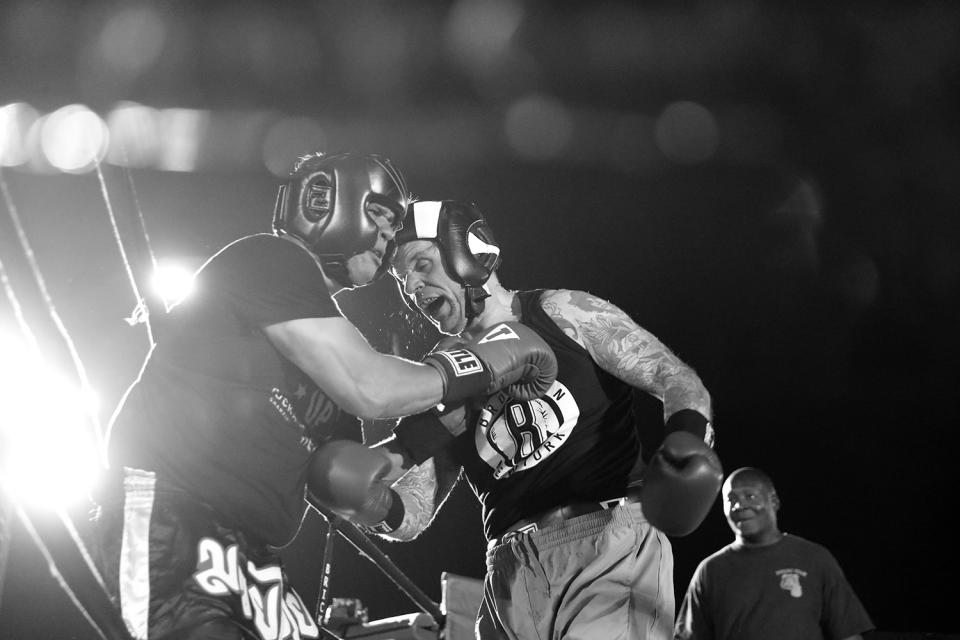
column 680, row 483
column 509, row 355
column 350, row 479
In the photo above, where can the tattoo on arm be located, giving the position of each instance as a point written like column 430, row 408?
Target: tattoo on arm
column 554, row 303
column 417, row 488
column 423, row 490
column 624, row 349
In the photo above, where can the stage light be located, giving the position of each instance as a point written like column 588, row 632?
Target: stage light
column 74, row 139
column 134, row 135
column 480, row 31
column 173, row 281
column 687, row 133
column 49, row 456
column 132, row 40
column 539, row 127
column 15, row 121
column 184, row 133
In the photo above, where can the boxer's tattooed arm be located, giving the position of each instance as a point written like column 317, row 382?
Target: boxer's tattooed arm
column 417, row 488
column 623, row 348
column 423, row 490
column 557, row 304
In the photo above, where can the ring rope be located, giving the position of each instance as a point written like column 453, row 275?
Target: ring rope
column 51, row 309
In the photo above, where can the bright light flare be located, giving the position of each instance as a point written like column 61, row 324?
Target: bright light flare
column 173, row 281
column 15, row 122
column 185, row 133
column 48, row 456
column 134, row 135
column 74, row 139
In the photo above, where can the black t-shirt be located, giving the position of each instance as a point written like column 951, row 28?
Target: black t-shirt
column 578, row 442
column 791, row 590
column 216, row 410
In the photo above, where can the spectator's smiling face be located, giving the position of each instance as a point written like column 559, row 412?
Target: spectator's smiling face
column 751, row 510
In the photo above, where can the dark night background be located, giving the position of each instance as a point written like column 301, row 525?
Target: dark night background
column 771, row 188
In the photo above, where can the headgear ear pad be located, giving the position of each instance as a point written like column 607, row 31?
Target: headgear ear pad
column 467, row 246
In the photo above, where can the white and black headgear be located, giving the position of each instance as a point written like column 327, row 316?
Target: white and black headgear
column 324, row 204
column 467, row 247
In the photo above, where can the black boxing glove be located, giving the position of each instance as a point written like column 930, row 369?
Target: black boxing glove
column 509, row 355
column 680, row 483
column 349, row 478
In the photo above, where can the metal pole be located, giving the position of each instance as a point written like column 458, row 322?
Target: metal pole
column 323, row 597
column 372, row 552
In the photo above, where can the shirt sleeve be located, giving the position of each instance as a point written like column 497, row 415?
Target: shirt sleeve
column 267, row 280
column 843, row 613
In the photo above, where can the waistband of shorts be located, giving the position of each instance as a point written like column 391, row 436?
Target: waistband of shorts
column 554, row 525
column 114, row 484
column 129, row 487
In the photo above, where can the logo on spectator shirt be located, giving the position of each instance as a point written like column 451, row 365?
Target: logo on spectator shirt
column 511, row 435
column 790, row 581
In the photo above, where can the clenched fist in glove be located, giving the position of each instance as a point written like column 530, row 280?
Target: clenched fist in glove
column 680, row 483
column 509, row 355
column 350, row 479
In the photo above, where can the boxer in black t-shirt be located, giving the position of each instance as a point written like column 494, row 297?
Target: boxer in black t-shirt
column 250, row 381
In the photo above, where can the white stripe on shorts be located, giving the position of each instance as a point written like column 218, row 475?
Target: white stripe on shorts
column 139, row 490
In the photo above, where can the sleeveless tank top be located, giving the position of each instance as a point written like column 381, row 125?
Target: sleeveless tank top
column 578, row 442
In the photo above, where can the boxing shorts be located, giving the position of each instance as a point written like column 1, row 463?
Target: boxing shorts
column 176, row 571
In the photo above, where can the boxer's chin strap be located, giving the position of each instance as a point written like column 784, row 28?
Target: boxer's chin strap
column 474, row 301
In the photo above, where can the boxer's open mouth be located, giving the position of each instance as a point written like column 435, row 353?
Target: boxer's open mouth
column 431, row 304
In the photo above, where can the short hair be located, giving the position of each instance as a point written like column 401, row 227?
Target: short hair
column 753, row 473
column 304, row 159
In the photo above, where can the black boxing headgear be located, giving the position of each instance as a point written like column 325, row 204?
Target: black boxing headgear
column 324, row 205
column 467, row 247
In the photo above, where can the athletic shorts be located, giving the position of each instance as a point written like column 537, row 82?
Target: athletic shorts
column 606, row 575
column 177, row 573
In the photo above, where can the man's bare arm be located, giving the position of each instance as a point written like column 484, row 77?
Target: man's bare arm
column 422, row 488
column 358, row 378
column 626, row 350
column 418, row 491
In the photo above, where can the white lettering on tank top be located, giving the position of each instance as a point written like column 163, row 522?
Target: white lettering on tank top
column 511, row 435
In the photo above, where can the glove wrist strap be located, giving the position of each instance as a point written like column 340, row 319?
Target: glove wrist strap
column 464, row 374
column 394, row 517
column 691, row 421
